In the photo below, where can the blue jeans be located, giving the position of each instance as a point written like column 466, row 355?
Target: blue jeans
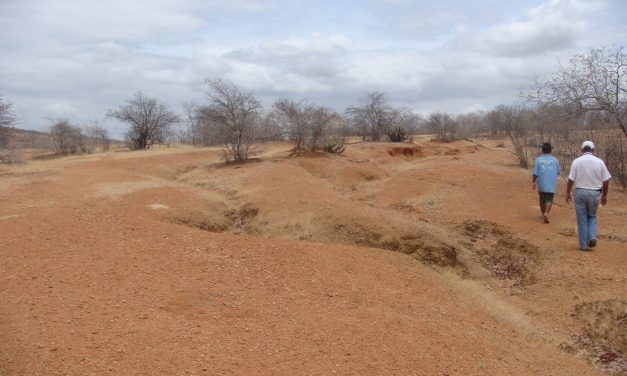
column 586, row 204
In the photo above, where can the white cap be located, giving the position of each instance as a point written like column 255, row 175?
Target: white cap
column 587, row 144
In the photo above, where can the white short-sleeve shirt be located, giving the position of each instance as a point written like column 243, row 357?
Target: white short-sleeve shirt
column 589, row 172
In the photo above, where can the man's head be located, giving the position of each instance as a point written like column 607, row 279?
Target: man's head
column 587, row 146
column 547, row 147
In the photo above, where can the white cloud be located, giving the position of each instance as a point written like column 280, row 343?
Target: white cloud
column 69, row 20
column 295, row 64
column 552, row 26
column 111, row 51
column 241, row 5
column 303, row 47
column 61, row 109
column 402, row 2
column 80, row 58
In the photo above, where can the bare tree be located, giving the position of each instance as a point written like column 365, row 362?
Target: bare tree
column 407, row 119
column 373, row 115
column 472, row 123
column 308, row 126
column 292, row 117
column 565, row 128
column 515, row 120
column 342, row 127
column 320, row 121
column 97, row 137
column 592, row 82
column 201, row 129
column 494, row 123
column 192, row 121
column 442, row 125
column 236, row 115
column 403, row 122
column 149, row 121
column 397, row 134
column 585, row 99
column 269, row 128
column 334, row 139
column 66, row 137
column 7, row 119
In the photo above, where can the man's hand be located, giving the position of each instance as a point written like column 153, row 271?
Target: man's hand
column 569, row 187
column 606, row 187
column 533, row 186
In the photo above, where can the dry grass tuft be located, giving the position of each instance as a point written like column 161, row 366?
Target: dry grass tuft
column 421, row 247
column 202, row 224
column 598, row 352
column 232, row 220
column 236, row 164
column 604, row 341
column 239, row 219
column 405, row 151
column 605, row 320
column 506, row 256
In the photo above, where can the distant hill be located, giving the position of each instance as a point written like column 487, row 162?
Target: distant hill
column 36, row 140
column 26, row 139
column 27, row 144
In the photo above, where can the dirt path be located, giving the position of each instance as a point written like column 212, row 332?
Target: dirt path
column 93, row 280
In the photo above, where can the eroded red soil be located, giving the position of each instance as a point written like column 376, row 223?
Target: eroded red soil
column 106, row 268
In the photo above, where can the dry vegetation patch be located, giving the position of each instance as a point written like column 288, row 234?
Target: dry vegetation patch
column 507, row 257
column 236, row 221
column 405, row 151
column 200, row 221
column 333, row 199
column 416, row 243
column 317, row 199
column 604, row 340
column 605, row 320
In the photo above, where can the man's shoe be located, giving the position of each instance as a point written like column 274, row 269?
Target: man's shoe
column 584, row 249
column 592, row 243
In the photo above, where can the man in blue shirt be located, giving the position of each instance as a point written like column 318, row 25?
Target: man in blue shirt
column 546, row 169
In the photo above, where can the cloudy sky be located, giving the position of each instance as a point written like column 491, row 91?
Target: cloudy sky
column 75, row 59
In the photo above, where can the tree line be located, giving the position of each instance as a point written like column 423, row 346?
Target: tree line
column 583, row 99
column 236, row 120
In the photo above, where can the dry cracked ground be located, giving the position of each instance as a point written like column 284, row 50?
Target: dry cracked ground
column 391, row 259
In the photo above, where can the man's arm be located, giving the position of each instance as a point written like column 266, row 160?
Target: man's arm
column 606, row 188
column 569, row 186
column 533, row 182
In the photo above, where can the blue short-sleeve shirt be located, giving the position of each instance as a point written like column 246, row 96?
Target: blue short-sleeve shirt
column 547, row 169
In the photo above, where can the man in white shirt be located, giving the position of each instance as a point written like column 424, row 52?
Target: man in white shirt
column 591, row 179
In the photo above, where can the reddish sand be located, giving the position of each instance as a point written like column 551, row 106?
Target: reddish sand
column 105, row 267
